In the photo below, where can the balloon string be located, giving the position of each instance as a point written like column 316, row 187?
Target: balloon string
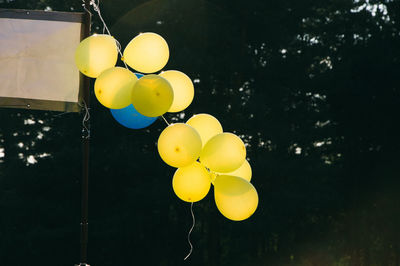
column 190, row 231
column 87, row 10
column 165, row 120
column 85, row 120
column 96, row 7
column 64, row 113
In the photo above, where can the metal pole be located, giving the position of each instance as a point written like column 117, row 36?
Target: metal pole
column 85, row 154
column 84, row 203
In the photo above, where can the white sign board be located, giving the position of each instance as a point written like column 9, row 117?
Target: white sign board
column 37, row 68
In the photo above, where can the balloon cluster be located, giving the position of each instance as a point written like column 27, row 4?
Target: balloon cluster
column 204, row 154
column 199, row 148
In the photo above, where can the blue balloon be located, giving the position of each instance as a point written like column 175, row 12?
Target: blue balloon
column 130, row 118
column 138, row 75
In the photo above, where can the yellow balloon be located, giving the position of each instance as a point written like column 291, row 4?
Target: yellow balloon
column 191, row 183
column 179, row 145
column 113, row 88
column 206, row 125
column 183, row 89
column 152, row 95
column 236, row 198
column 213, row 176
column 96, row 54
column 223, row 153
column 244, row 171
column 147, row 53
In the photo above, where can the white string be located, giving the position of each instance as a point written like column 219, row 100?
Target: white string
column 63, row 113
column 165, row 120
column 84, row 7
column 85, row 119
column 190, row 231
column 96, row 7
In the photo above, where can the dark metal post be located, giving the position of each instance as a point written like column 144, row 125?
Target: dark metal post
column 85, row 154
column 84, row 211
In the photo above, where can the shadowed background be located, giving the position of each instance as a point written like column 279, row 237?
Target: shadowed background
column 312, row 87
